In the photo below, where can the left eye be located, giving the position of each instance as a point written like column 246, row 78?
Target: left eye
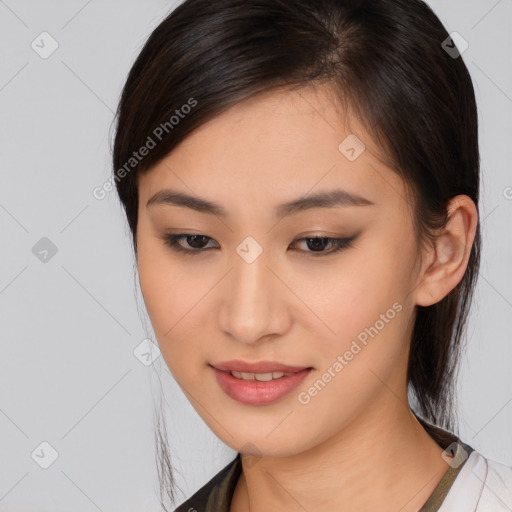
column 198, row 242
column 318, row 243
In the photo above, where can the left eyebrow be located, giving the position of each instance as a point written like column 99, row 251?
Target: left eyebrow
column 323, row 199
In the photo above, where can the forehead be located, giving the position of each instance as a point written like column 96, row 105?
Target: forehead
column 272, row 148
column 277, row 124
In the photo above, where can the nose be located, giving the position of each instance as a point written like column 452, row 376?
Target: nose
column 255, row 304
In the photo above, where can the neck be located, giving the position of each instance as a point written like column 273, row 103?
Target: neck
column 384, row 460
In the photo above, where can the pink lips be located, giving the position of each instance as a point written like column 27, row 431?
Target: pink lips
column 261, row 367
column 254, row 392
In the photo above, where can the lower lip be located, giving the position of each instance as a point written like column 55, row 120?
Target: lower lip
column 255, row 392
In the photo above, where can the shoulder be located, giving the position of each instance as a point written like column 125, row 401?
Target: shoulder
column 497, row 490
column 483, row 485
column 216, row 492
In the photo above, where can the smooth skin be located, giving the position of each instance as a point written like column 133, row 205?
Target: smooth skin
column 356, row 444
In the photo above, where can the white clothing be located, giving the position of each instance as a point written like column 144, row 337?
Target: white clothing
column 482, row 485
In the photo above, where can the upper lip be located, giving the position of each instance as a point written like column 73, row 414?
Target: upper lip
column 259, row 367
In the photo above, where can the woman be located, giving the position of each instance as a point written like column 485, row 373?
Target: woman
column 301, row 183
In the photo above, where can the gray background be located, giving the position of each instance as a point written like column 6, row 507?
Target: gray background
column 70, row 324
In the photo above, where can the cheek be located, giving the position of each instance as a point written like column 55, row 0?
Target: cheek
column 169, row 297
column 365, row 303
column 365, row 320
column 160, row 298
column 168, row 308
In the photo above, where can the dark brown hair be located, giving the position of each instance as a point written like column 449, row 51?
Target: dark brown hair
column 385, row 61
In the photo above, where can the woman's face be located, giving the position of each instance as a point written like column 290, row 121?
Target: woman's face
column 253, row 288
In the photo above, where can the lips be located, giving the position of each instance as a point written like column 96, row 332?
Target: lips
column 261, row 390
column 238, row 365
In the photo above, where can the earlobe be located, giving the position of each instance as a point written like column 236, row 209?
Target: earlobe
column 450, row 252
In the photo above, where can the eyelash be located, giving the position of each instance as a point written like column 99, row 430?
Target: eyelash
column 338, row 244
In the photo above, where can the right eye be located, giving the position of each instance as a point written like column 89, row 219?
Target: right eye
column 197, row 242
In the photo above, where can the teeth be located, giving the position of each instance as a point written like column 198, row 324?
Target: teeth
column 263, row 377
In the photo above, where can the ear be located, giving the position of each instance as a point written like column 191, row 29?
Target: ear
column 445, row 263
